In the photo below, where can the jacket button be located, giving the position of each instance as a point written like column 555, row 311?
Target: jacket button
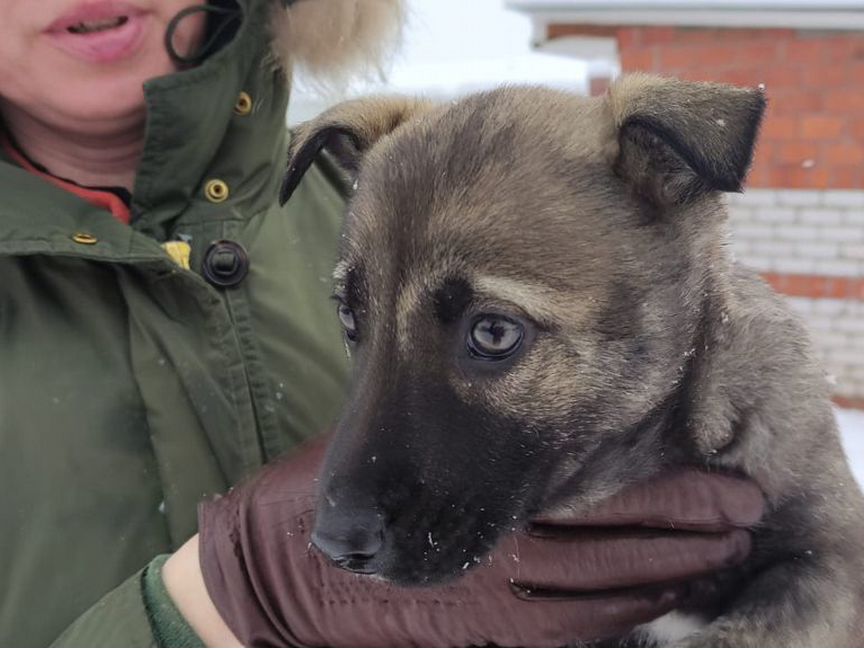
column 216, row 191
column 243, row 105
column 82, row 238
column 225, row 264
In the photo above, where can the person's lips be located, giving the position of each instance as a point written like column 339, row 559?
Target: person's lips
column 93, row 26
column 99, row 32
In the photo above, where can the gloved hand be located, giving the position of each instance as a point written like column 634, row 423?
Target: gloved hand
column 541, row 589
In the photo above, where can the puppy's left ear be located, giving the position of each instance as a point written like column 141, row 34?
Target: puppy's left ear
column 347, row 131
column 679, row 140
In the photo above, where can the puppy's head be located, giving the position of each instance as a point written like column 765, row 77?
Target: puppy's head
column 522, row 281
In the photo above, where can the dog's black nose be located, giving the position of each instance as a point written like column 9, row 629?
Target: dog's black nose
column 351, row 540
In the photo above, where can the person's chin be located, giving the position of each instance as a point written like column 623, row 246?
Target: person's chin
column 96, row 93
column 97, row 105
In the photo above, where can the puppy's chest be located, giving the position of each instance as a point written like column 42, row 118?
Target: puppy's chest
column 669, row 629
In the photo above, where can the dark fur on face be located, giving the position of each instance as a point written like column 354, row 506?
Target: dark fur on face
column 592, row 230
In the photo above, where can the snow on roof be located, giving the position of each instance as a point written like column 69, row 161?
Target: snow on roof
column 446, row 80
column 756, row 5
column 794, row 14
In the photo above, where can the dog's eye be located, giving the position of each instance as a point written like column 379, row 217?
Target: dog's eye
column 494, row 337
column 346, row 316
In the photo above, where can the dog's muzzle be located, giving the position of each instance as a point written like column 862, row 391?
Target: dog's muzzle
column 351, row 539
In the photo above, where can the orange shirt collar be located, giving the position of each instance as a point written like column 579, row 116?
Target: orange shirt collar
column 97, row 198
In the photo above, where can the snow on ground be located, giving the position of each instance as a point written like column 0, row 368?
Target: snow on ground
column 852, row 429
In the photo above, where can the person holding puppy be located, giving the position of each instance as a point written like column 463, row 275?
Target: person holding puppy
column 166, row 332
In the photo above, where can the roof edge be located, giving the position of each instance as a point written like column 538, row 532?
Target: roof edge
column 676, row 13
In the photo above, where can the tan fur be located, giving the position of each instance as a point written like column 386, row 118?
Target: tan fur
column 334, row 39
column 540, row 301
column 370, row 119
column 408, row 302
column 645, row 94
column 340, row 272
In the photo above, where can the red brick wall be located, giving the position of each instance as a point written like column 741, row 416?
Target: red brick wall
column 813, row 136
column 816, row 286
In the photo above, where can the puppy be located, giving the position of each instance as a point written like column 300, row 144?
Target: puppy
column 538, row 294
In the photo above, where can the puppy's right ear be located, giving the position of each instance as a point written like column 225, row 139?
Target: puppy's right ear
column 679, row 140
column 347, row 131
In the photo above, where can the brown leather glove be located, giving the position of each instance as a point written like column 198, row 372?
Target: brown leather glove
column 273, row 588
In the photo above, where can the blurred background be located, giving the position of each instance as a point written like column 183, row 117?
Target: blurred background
column 801, row 220
column 454, row 47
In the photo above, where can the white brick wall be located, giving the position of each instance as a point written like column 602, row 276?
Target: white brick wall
column 799, row 232
column 813, row 233
column 837, row 327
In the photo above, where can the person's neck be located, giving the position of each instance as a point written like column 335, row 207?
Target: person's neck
column 103, row 155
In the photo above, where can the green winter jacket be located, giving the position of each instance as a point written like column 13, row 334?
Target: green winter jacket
column 131, row 388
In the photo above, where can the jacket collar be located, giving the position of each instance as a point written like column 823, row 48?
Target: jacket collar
column 39, row 218
column 194, row 134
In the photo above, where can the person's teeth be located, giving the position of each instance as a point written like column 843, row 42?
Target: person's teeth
column 98, row 25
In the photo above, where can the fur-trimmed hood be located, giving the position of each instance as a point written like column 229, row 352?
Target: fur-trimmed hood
column 334, row 39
